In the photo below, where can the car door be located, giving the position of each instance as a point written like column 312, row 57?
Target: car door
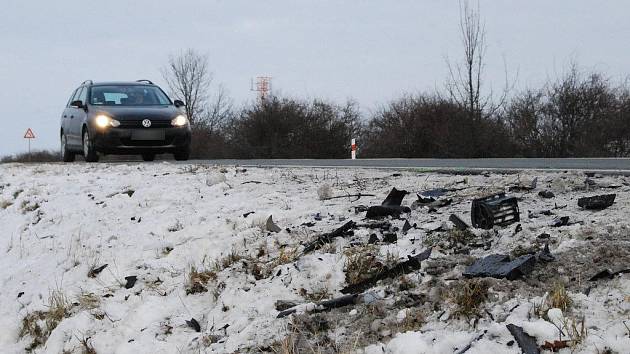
column 77, row 116
column 66, row 121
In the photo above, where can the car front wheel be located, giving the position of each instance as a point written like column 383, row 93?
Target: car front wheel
column 66, row 155
column 183, row 154
column 148, row 157
column 89, row 152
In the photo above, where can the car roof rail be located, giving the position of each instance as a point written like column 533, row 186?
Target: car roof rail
column 87, row 82
column 147, row 81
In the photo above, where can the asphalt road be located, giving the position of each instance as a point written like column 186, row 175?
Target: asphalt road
column 588, row 164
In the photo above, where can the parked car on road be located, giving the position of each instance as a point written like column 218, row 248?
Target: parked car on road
column 123, row 118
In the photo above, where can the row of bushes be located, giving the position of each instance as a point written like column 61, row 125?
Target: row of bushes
column 578, row 115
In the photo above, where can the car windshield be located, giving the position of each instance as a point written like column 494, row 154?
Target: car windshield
column 128, row 95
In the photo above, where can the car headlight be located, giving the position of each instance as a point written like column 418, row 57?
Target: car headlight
column 103, row 121
column 179, row 121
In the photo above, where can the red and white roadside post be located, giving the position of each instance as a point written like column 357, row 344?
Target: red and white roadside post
column 29, row 135
column 353, row 149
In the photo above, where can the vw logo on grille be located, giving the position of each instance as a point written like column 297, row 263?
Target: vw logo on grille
column 146, row 123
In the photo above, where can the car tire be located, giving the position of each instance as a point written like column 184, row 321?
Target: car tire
column 182, row 155
column 89, row 152
column 148, row 157
column 66, row 154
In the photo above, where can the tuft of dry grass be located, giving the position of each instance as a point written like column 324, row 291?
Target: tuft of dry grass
column 5, row 204
column 88, row 301
column 468, row 296
column 558, row 297
column 361, row 263
column 413, row 321
column 198, row 280
column 40, row 324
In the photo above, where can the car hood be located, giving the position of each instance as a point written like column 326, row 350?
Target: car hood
column 138, row 112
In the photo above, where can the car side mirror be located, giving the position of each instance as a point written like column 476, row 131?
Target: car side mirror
column 77, row 104
column 178, row 103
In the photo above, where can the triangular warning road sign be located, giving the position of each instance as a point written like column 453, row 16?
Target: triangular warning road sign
column 29, row 134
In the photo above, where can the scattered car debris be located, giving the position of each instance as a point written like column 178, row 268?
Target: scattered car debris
column 526, row 342
column 494, row 210
column 327, row 238
column 96, row 271
column 546, row 194
column 194, row 324
column 271, row 226
column 390, row 237
column 598, row 202
column 560, row 221
column 500, row 266
column 131, row 281
column 524, row 187
column 282, row 305
column 517, row 229
column 407, row 226
column 326, row 304
column 390, row 206
column 469, row 345
column 412, row 263
column 608, row 274
column 434, row 193
column 248, row 214
column 458, row 222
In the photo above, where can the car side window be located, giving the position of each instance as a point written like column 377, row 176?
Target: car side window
column 83, row 95
column 74, row 94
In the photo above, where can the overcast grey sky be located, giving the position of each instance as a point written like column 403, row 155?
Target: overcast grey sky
column 370, row 51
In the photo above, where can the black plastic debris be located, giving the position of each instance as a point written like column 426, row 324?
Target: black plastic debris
column 411, row 264
column 271, row 226
column 390, row 237
column 458, row 222
column 96, row 271
column 560, row 221
column 373, row 239
column 390, row 206
column 545, row 255
column 194, row 324
column 344, row 230
column 20, row 294
column 500, row 266
column 248, row 214
column 395, row 197
column 517, row 229
column 407, row 226
column 526, row 342
column 494, row 210
column 131, row 281
column 380, row 211
column 546, row 194
column 608, row 274
column 597, row 202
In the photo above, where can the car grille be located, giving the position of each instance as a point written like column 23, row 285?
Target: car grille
column 130, row 142
column 137, row 123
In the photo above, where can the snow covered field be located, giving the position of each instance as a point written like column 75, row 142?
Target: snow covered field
column 184, row 242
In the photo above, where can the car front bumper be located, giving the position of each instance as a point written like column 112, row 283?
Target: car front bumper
column 126, row 140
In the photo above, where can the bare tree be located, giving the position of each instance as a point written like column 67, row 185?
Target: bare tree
column 189, row 80
column 465, row 80
column 218, row 110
